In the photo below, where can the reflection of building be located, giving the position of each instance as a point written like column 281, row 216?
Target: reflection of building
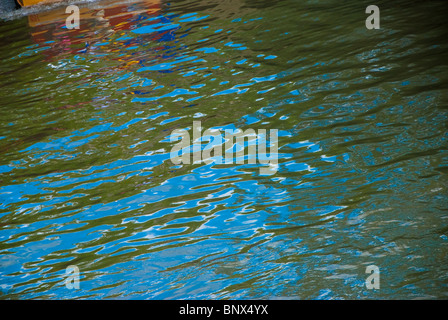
column 97, row 20
column 115, row 10
column 25, row 3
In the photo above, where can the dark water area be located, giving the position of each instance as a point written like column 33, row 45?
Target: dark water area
column 86, row 177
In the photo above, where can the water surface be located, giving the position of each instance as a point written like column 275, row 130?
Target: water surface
column 85, row 171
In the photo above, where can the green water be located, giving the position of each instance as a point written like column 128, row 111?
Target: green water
column 85, row 171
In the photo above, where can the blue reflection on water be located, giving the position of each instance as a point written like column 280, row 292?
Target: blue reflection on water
column 88, row 179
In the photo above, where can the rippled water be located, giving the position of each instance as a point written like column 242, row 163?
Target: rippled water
column 86, row 178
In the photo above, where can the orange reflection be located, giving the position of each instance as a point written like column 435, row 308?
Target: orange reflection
column 26, row 3
column 98, row 20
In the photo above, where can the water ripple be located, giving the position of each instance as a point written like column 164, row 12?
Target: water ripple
column 86, row 177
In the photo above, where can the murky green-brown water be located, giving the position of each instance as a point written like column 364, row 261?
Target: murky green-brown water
column 85, row 171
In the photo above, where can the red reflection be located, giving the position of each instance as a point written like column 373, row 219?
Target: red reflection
column 98, row 21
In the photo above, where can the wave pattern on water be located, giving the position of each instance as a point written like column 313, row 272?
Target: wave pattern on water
column 86, row 177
